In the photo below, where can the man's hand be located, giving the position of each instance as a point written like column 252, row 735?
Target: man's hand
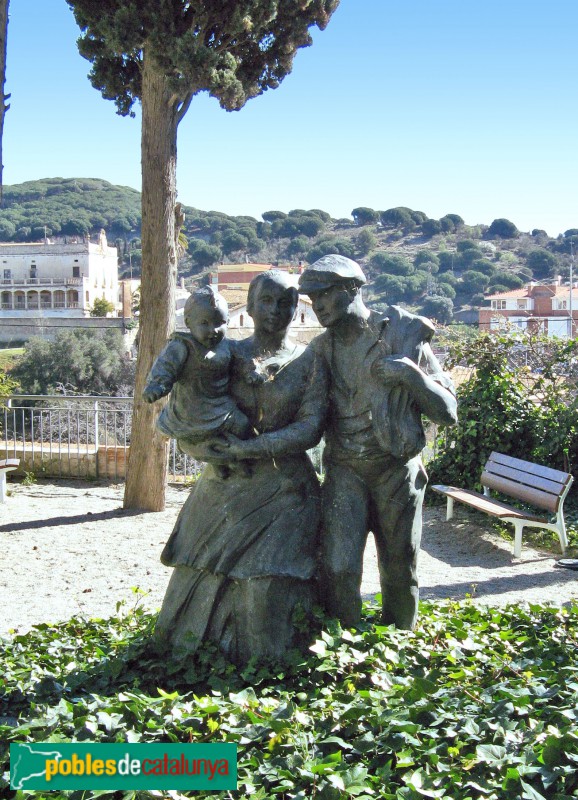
column 394, row 371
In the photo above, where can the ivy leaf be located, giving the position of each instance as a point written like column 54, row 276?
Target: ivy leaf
column 491, row 754
column 327, row 765
column 554, row 750
column 355, row 781
column 529, row 793
column 337, row 781
column 340, row 742
column 110, row 722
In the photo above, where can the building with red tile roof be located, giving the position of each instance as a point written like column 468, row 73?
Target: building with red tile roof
column 535, row 306
column 239, row 276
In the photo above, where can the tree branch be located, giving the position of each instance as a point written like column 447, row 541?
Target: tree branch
column 184, row 107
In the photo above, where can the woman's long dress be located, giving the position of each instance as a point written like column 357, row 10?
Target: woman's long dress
column 244, row 547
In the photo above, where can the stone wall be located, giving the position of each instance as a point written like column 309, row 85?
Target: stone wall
column 78, row 461
column 45, row 461
column 19, row 329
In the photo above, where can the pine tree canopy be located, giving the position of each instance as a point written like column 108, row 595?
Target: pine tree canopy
column 232, row 49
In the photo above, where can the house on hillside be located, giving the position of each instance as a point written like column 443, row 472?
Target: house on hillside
column 538, row 307
column 57, row 278
column 50, row 285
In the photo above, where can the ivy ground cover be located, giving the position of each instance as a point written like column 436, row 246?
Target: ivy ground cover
column 475, row 703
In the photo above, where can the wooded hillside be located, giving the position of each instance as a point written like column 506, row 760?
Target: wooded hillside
column 437, row 266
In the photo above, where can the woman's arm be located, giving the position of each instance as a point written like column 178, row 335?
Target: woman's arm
column 300, row 435
column 212, row 451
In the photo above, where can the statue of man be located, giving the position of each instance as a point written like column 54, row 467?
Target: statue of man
column 384, row 376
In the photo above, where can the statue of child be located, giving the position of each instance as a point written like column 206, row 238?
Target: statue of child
column 195, row 369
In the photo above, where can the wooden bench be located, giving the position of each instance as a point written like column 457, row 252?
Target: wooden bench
column 6, row 465
column 541, row 487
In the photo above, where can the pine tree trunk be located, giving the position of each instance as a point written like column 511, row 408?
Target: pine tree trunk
column 147, row 467
column 3, row 107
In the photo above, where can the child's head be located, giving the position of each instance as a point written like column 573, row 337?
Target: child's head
column 206, row 316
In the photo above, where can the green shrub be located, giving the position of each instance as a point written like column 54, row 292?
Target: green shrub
column 475, row 703
column 77, row 360
column 7, row 384
column 521, row 399
column 101, row 307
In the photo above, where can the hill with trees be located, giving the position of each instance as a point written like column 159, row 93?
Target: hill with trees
column 68, row 207
column 435, row 265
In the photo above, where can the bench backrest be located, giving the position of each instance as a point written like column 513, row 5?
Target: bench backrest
column 540, row 486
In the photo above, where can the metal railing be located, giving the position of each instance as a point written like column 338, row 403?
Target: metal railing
column 77, row 437
column 45, row 305
column 83, row 437
column 41, row 281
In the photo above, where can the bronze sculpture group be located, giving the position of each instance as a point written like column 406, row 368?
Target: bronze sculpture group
column 258, row 537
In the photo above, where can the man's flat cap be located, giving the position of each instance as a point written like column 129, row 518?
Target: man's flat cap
column 331, row 270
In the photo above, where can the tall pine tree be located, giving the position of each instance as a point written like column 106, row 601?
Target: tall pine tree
column 163, row 53
column 3, row 97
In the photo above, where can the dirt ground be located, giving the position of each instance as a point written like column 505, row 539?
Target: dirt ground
column 68, row 549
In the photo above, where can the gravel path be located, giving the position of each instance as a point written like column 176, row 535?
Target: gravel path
column 69, row 549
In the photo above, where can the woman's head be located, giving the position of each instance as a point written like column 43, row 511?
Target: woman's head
column 272, row 301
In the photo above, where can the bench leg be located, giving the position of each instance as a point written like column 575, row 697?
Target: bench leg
column 562, row 536
column 518, row 528
column 2, row 486
column 450, row 509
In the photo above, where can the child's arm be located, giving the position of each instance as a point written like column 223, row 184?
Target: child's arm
column 246, row 369
column 165, row 371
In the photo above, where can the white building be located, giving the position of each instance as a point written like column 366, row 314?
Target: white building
column 239, row 319
column 232, row 281
column 304, row 328
column 57, row 278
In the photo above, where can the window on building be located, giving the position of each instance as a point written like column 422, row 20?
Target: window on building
column 562, row 304
column 499, row 305
column 7, row 274
column 76, row 272
column 241, row 320
column 522, row 304
column 302, row 319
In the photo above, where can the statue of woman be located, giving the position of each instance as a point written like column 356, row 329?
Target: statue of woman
column 244, row 546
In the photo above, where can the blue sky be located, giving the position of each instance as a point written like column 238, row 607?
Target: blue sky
column 445, row 107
